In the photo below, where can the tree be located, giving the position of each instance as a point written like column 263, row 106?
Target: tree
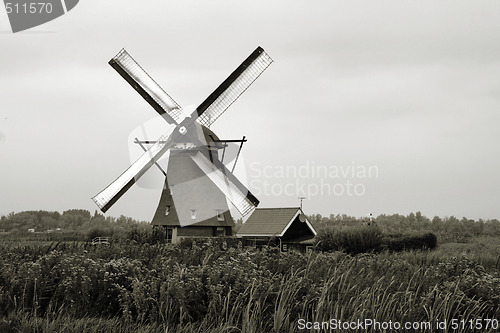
column 437, row 220
column 75, row 218
column 411, row 218
column 418, row 216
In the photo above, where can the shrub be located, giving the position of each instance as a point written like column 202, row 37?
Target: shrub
column 351, row 240
column 98, row 232
column 417, row 242
column 222, row 243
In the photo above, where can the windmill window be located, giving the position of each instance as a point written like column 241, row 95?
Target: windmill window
column 193, row 214
column 220, row 231
column 171, row 188
column 170, row 232
column 167, row 211
column 220, row 215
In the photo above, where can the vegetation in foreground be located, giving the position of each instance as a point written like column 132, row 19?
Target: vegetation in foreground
column 139, row 285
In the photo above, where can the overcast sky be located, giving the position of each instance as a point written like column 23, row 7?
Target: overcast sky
column 409, row 90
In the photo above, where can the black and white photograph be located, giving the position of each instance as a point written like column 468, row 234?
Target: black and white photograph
column 249, row 166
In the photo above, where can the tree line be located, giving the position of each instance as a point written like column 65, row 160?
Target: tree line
column 446, row 227
column 84, row 221
column 70, row 220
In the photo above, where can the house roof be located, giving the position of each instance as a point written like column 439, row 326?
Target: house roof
column 270, row 222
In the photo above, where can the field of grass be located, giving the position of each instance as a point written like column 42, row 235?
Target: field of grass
column 133, row 286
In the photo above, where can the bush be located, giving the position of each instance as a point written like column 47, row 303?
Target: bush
column 419, row 242
column 352, row 240
column 362, row 239
column 98, row 232
column 141, row 234
column 222, row 243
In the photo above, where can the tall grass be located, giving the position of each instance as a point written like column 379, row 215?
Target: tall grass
column 133, row 287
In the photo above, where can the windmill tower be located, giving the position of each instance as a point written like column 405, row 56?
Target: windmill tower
column 197, row 183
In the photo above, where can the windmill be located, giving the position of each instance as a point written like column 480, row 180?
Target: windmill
column 197, row 182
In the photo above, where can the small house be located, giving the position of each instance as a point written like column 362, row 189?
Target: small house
column 287, row 227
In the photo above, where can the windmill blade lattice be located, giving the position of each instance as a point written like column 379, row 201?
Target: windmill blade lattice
column 144, row 84
column 232, row 88
column 227, row 183
column 107, row 197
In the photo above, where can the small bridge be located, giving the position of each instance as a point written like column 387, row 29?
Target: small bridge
column 100, row 240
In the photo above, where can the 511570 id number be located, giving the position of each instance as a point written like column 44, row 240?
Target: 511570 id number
column 31, row 8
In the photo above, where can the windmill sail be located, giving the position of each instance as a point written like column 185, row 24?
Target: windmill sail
column 227, row 183
column 137, row 77
column 107, row 197
column 229, row 90
column 206, row 113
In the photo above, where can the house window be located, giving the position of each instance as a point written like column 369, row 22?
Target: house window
column 193, row 214
column 220, row 215
column 170, row 232
column 284, row 247
column 167, row 211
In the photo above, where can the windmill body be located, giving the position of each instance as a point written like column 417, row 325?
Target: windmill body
column 191, row 205
column 197, row 185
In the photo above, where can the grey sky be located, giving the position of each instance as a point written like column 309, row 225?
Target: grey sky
column 411, row 87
